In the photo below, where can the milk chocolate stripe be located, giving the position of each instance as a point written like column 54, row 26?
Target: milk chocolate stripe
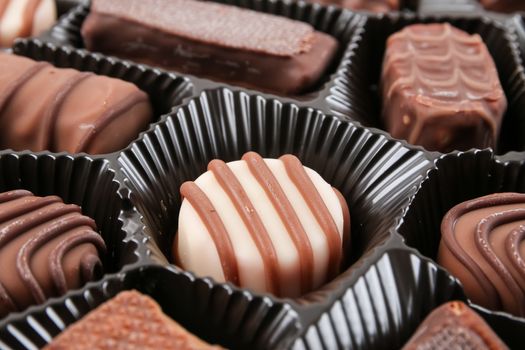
column 54, row 227
column 3, row 6
column 449, row 238
column 118, row 109
column 50, row 117
column 18, row 83
column 12, row 195
column 23, row 205
column 28, row 17
column 282, row 205
column 58, row 253
column 313, row 199
column 251, row 219
column 208, row 214
column 346, row 225
column 6, row 301
column 512, row 245
column 482, row 240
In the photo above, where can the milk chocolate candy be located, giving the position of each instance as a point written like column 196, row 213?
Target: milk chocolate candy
column 23, row 18
column 504, row 5
column 441, row 89
column 454, row 326
column 271, row 225
column 483, row 245
column 46, row 248
column 68, row 110
column 378, row 6
column 216, row 41
column 128, row 321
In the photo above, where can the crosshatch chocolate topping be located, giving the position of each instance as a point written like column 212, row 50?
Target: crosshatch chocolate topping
column 441, row 89
column 130, row 320
column 47, row 246
column 454, row 326
column 216, row 41
column 69, row 111
column 273, row 211
column 483, row 244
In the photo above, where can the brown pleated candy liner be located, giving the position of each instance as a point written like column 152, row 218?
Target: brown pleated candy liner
column 356, row 93
column 516, row 25
column 214, row 313
column 337, row 22
column 457, row 178
column 450, row 7
column 165, row 90
column 87, row 182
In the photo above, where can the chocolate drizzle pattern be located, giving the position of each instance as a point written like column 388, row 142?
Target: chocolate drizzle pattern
column 56, row 124
column 435, row 72
column 486, row 236
column 259, row 192
column 37, row 235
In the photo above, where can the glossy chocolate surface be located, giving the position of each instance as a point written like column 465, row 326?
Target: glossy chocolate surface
column 441, row 89
column 454, row 326
column 270, row 53
column 483, row 245
column 271, row 225
column 130, row 320
column 504, row 5
column 46, row 248
column 68, row 111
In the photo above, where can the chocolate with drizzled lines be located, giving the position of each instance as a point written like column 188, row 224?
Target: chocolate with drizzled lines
column 271, row 225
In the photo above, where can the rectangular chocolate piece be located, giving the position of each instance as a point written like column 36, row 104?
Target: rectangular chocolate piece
column 216, row 41
column 441, row 89
column 454, row 326
column 128, row 321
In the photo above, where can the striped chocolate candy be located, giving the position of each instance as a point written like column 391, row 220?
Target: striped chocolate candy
column 270, row 225
column 23, row 18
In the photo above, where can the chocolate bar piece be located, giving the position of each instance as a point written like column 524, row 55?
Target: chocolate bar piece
column 271, row 225
column 23, row 18
column 48, row 108
column 216, row 41
column 454, row 326
column 441, row 89
column 506, row 6
column 128, row 321
column 377, row 6
column 46, row 248
column 483, row 245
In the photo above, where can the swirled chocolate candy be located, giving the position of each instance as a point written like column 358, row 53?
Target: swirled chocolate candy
column 454, row 326
column 23, row 18
column 504, row 5
column 46, row 248
column 441, row 89
column 47, row 108
column 483, row 245
column 130, row 320
column 212, row 40
column 378, row 6
column 271, row 225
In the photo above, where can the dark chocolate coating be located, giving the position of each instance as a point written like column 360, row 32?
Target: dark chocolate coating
column 242, row 47
column 483, row 245
column 504, row 5
column 441, row 89
column 128, row 321
column 454, row 326
column 46, row 248
column 378, row 6
column 47, row 108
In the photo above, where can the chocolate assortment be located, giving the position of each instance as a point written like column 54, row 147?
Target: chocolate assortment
column 228, row 198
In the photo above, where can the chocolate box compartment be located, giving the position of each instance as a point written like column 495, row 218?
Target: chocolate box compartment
column 87, row 182
column 337, row 22
column 215, row 313
column 376, row 175
column 457, row 178
column 165, row 90
column 356, row 93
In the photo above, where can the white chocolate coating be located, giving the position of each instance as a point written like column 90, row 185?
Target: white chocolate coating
column 196, row 251
column 22, row 18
